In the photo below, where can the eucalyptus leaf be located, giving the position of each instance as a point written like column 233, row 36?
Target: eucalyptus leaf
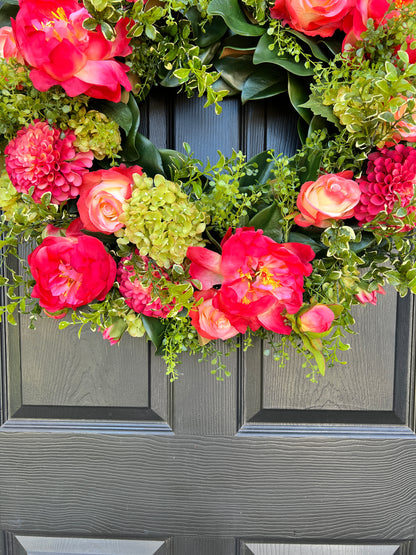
column 264, row 83
column 263, row 54
column 235, row 19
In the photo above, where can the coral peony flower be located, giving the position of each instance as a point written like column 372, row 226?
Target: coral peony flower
column 317, row 319
column 366, row 297
column 70, row 272
column 137, row 296
column 54, row 43
column 8, row 47
column 390, row 178
column 44, row 157
column 261, row 279
column 313, row 17
column 331, row 197
column 102, row 194
column 210, row 322
column 356, row 22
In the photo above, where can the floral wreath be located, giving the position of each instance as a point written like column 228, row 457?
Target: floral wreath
column 131, row 238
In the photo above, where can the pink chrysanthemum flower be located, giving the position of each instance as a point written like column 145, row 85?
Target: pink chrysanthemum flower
column 391, row 177
column 138, row 297
column 43, row 157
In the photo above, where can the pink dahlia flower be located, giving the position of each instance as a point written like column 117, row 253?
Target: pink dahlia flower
column 138, row 297
column 44, row 157
column 390, row 178
column 52, row 40
column 365, row 297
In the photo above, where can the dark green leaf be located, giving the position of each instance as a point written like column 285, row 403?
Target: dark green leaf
column 171, row 159
column 312, row 43
column 317, row 122
column 211, row 32
column 269, row 221
column 118, row 112
column 263, row 171
column 264, row 55
column 299, row 91
column 264, row 83
column 235, row 19
column 221, row 85
column 148, row 156
column 237, row 42
column 366, row 240
column 8, row 9
column 155, row 329
column 235, row 71
column 295, row 237
column 130, row 152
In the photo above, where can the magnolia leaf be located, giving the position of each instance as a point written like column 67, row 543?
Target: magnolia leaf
column 268, row 220
column 208, row 34
column 171, row 159
column 298, row 90
column 221, row 85
column 234, row 18
column 235, row 71
column 262, row 165
column 263, row 83
column 155, row 330
column 237, row 42
column 8, row 9
column 295, row 237
column 312, row 43
column 263, row 54
column 130, row 152
column 149, row 157
column 317, row 122
column 117, row 111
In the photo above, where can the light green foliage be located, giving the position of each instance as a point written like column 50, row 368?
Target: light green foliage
column 95, row 132
column 21, row 103
column 259, row 9
column 161, row 221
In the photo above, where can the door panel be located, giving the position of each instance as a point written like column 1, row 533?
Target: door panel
column 97, row 445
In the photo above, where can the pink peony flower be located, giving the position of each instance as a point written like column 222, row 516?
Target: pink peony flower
column 261, row 279
column 71, row 271
column 331, row 197
column 317, row 319
column 390, row 176
column 102, row 194
column 54, row 43
column 366, row 297
column 313, row 17
column 210, row 322
column 43, row 157
column 8, row 47
column 137, row 296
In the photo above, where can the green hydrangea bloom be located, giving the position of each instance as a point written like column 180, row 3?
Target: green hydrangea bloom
column 95, row 132
column 9, row 197
column 161, row 221
column 135, row 325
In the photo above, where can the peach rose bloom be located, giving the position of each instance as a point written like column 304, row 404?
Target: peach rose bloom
column 331, row 197
column 210, row 322
column 102, row 194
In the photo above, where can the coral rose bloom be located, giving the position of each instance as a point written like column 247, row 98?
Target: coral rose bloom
column 318, row 319
column 52, row 40
column 313, row 17
column 8, row 47
column 102, row 194
column 261, row 279
column 210, row 322
column 71, row 271
column 331, row 197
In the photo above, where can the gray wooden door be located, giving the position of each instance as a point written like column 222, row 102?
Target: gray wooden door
column 99, row 454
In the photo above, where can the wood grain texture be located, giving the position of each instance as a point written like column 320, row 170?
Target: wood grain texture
column 86, row 546
column 214, row 487
column 305, row 549
column 366, row 382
